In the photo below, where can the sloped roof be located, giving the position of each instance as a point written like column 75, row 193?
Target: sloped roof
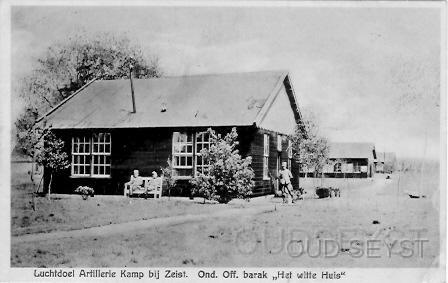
column 386, row 157
column 351, row 150
column 200, row 100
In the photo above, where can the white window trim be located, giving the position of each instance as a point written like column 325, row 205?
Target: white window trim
column 289, row 149
column 91, row 154
column 266, row 149
column 339, row 165
column 104, row 143
column 279, row 142
column 194, row 154
column 356, row 164
column 197, row 154
column 186, row 154
column 289, row 152
column 74, row 154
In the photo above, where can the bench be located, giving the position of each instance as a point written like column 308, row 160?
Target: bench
column 150, row 186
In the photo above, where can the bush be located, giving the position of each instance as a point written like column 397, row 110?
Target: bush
column 229, row 175
column 85, row 191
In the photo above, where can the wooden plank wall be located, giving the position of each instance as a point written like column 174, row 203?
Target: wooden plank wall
column 263, row 186
column 148, row 150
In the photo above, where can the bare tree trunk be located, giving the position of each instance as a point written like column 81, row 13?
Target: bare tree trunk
column 49, row 186
column 33, row 202
column 32, row 173
column 35, row 192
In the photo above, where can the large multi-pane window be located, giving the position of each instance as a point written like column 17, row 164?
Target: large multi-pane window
column 91, row 155
column 187, row 157
column 101, row 154
column 266, row 156
column 183, row 154
column 81, row 162
column 202, row 142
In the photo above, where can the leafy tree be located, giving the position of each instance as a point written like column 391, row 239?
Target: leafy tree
column 68, row 66
column 311, row 149
column 30, row 136
column 228, row 175
column 65, row 68
column 52, row 157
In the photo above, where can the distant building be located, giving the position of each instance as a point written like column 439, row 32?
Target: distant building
column 386, row 162
column 349, row 160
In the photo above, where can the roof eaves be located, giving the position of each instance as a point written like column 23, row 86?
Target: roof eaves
column 294, row 97
column 64, row 101
column 270, row 100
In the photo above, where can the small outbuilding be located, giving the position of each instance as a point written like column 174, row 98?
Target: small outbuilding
column 349, row 160
column 386, row 162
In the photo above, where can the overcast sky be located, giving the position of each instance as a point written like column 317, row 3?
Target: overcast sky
column 368, row 74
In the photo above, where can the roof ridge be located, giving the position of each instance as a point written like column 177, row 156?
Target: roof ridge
column 351, row 142
column 212, row 74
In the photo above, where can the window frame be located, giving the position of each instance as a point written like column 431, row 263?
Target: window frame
column 104, row 154
column 266, row 149
column 289, row 151
column 180, row 154
column 279, row 142
column 197, row 153
column 76, row 143
column 337, row 165
column 356, row 165
column 88, row 140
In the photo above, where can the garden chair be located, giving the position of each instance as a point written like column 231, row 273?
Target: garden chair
column 154, row 187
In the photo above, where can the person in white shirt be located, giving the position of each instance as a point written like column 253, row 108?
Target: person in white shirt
column 285, row 177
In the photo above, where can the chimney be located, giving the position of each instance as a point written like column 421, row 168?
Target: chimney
column 134, row 110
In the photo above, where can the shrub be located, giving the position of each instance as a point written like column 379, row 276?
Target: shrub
column 52, row 156
column 85, row 191
column 228, row 175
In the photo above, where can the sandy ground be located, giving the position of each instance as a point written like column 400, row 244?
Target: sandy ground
column 380, row 219
column 68, row 212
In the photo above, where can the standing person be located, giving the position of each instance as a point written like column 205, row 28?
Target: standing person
column 285, row 177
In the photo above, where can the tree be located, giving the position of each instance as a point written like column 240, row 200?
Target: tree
column 64, row 69
column 228, row 175
column 30, row 139
column 30, row 136
column 52, row 157
column 68, row 66
column 311, row 149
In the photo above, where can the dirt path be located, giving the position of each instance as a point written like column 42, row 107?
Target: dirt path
column 138, row 225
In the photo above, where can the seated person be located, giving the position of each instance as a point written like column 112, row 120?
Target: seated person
column 135, row 183
column 153, row 182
